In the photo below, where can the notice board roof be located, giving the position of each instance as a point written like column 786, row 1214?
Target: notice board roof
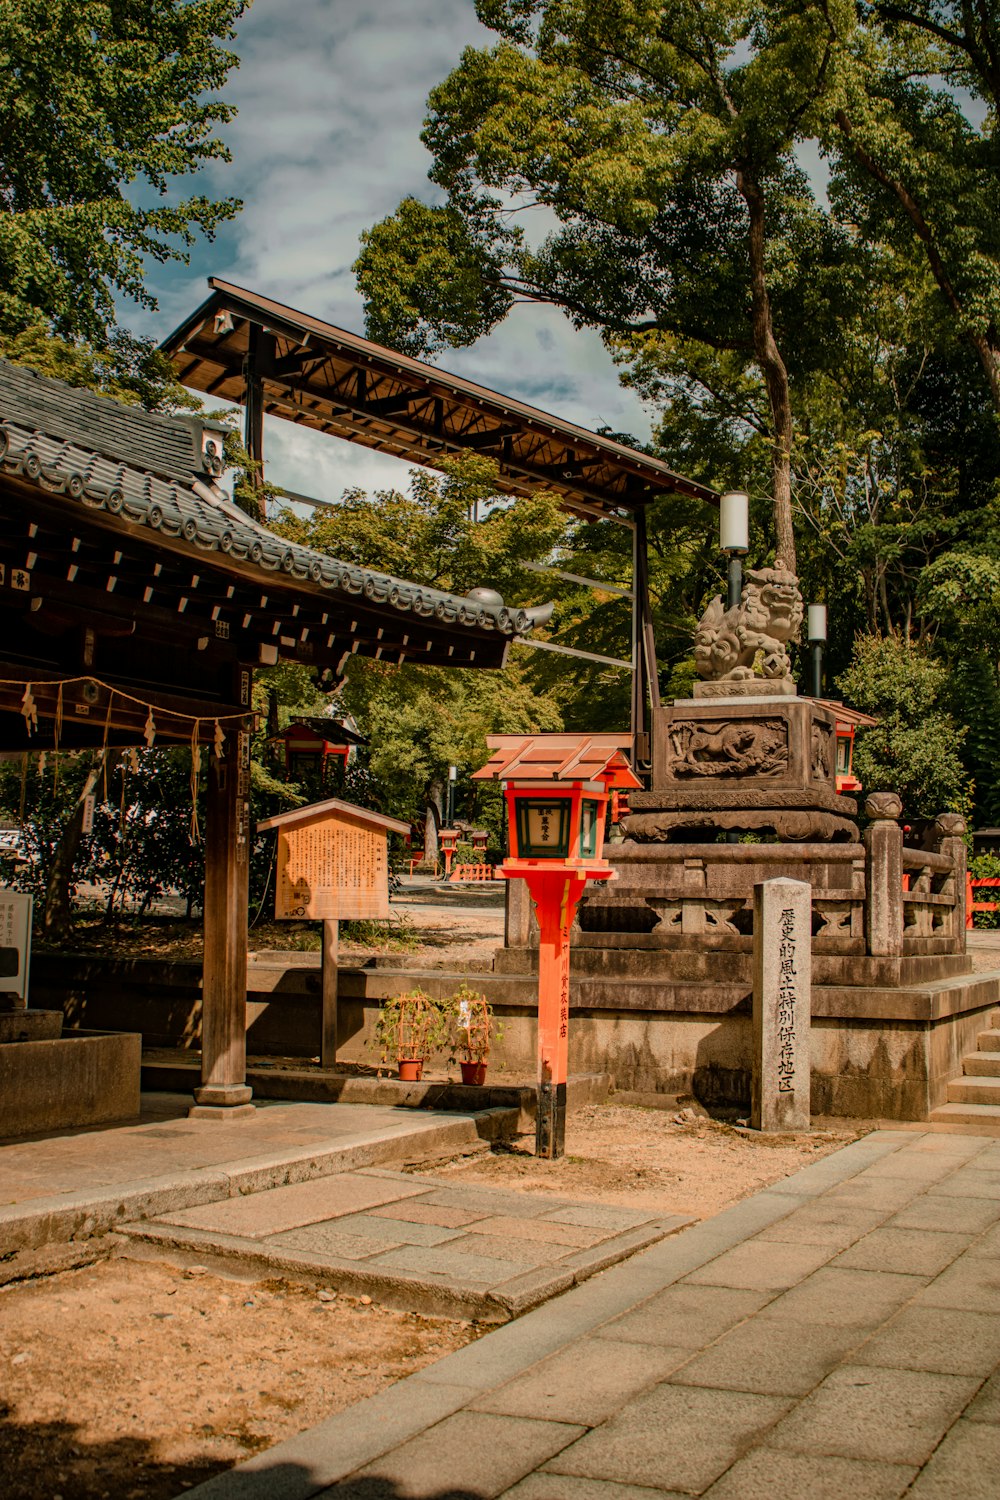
column 332, row 808
column 559, row 757
column 335, row 381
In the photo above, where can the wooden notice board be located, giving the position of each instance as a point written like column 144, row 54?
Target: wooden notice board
column 334, row 867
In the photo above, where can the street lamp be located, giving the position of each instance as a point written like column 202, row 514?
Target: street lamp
column 816, row 636
column 734, row 539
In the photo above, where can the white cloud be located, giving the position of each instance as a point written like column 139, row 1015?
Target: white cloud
column 331, row 97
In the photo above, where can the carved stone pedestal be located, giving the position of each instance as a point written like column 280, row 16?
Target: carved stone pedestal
column 762, row 764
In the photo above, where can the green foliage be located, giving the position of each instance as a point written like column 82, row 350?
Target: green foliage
column 104, row 105
column 128, row 369
column 471, row 1027
column 409, row 1027
column 915, row 748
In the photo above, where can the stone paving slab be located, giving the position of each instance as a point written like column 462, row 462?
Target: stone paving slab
column 505, row 1253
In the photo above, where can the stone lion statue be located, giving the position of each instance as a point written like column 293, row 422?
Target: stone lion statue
column 768, row 616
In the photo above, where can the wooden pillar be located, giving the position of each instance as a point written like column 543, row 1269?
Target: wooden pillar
column 224, row 1093
column 645, row 683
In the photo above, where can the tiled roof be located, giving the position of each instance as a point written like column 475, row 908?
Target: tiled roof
column 110, row 458
column 558, row 757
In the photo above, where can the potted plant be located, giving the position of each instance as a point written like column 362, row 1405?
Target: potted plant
column 408, row 1030
column 473, row 1029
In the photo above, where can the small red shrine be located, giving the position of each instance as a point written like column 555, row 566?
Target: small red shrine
column 313, row 744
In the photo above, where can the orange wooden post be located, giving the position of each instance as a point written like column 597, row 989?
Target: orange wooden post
column 556, row 895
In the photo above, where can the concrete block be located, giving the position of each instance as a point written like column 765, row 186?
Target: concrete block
column 938, row 1213
column 585, row 1383
column 972, row 1182
column 765, row 1473
column 68, row 1083
column 258, row 1215
column 469, row 1453
column 573, row 1487
column 769, row 1268
column 986, row 1406
column 685, row 1315
column 521, row 1293
column 971, row 1284
column 941, row 1340
column 966, row 1464
column 782, row 1005
column 674, row 1437
column 29, row 1024
column 914, row 1252
column 769, row 1356
column 817, row 1223
column 889, row 1416
column 853, row 1299
column 551, row 1232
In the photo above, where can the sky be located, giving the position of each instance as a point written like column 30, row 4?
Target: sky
column 331, row 97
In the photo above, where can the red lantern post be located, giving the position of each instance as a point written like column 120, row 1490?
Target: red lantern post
column 557, row 788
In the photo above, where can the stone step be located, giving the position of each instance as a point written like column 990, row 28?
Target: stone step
column 985, row 1117
column 974, row 1091
column 981, row 1065
column 989, row 1041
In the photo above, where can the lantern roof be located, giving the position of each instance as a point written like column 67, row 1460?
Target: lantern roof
column 330, row 731
column 333, row 808
column 845, row 715
column 559, row 757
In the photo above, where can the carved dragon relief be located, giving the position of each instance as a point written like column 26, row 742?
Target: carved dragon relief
column 734, row 748
column 768, row 616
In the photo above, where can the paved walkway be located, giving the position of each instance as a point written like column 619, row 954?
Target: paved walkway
column 419, row 1243
column 57, row 1188
column 834, row 1337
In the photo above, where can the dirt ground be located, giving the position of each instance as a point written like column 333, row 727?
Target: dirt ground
column 134, row 1380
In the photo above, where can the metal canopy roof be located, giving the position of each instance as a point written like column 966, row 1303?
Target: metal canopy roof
column 334, row 381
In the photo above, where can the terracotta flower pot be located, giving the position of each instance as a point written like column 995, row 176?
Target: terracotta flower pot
column 411, row 1070
column 473, row 1072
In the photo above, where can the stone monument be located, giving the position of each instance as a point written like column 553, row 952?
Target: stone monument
column 745, row 754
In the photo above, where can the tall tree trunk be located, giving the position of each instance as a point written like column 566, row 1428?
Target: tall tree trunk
column 58, row 905
column 433, row 821
column 773, row 368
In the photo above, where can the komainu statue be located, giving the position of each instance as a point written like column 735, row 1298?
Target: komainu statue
column 768, row 616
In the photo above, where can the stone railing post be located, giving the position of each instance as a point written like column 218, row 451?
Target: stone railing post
column 948, row 829
column 884, row 873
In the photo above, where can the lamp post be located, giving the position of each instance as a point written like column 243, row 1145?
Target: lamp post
column 816, row 636
column 556, row 835
column 734, row 539
column 557, row 790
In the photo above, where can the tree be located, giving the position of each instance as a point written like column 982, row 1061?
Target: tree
column 660, row 138
column 453, row 532
column 909, row 163
column 914, row 749
column 102, row 106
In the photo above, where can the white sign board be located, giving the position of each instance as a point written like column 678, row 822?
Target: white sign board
column 15, row 942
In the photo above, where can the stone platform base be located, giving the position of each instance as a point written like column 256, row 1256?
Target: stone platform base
column 87, row 1078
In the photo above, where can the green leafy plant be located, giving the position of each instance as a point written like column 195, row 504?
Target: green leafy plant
column 472, row 1026
column 410, row 1027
